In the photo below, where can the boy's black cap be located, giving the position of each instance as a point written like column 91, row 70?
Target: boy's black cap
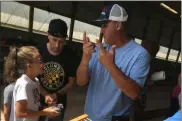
column 58, row 28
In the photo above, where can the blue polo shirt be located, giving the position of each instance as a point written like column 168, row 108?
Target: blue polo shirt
column 175, row 117
column 104, row 98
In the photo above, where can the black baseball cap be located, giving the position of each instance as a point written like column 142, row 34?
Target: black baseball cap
column 58, row 28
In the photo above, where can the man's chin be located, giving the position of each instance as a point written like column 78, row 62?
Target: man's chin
column 107, row 42
column 56, row 51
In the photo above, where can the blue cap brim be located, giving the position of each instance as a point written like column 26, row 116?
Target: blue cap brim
column 100, row 21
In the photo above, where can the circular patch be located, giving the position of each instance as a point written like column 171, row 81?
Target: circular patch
column 53, row 77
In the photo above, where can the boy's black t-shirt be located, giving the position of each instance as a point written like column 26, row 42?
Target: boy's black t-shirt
column 57, row 69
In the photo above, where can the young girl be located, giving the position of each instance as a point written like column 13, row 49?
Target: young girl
column 25, row 102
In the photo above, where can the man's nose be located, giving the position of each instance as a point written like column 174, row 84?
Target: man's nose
column 57, row 44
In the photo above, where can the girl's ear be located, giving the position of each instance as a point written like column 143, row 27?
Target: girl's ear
column 29, row 66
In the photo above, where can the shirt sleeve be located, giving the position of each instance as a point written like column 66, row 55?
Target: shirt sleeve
column 21, row 93
column 8, row 93
column 140, row 69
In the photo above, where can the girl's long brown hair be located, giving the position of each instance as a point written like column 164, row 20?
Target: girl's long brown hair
column 15, row 63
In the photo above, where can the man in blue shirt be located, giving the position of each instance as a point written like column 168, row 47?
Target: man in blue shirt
column 177, row 115
column 115, row 70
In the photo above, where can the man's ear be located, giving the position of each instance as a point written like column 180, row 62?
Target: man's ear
column 119, row 26
column 49, row 37
column 48, row 34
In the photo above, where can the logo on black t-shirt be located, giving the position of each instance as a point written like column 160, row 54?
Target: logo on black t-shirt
column 53, row 76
